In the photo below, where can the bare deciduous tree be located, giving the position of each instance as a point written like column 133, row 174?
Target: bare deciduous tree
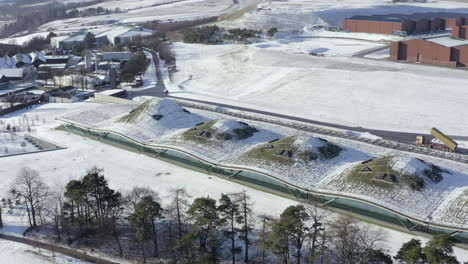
column 179, row 204
column 31, row 191
column 352, row 243
column 135, row 195
column 317, row 216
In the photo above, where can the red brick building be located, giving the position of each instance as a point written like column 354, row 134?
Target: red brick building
column 456, row 21
column 460, row 32
column 380, row 25
column 405, row 24
column 443, row 51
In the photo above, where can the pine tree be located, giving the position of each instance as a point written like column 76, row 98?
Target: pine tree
column 440, row 250
column 411, row 252
column 246, row 211
column 290, row 229
column 143, row 219
column 89, row 41
column 231, row 214
column 204, row 213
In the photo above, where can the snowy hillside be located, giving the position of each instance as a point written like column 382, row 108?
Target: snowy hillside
column 419, row 189
column 296, row 14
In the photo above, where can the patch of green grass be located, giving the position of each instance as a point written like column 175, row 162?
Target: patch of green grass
column 134, row 114
column 193, row 134
column 267, row 152
column 377, row 166
column 383, row 165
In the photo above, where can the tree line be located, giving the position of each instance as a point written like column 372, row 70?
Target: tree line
column 141, row 225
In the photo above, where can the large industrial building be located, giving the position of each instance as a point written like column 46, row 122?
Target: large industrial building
column 405, row 24
column 117, row 36
column 450, row 51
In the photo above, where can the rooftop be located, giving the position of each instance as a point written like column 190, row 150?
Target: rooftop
column 76, row 38
column 112, row 91
column 449, row 41
column 18, row 73
column 402, row 17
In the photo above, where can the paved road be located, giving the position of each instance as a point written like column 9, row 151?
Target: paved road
column 158, row 90
column 402, row 137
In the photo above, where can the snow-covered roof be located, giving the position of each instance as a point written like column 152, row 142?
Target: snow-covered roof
column 226, row 126
column 20, row 57
column 111, row 92
column 117, row 55
column 53, row 66
column 37, row 55
column 60, row 38
column 448, row 41
column 117, row 31
column 128, row 32
column 57, row 57
column 8, row 62
column 408, row 165
column 12, row 73
column 76, row 38
column 133, row 33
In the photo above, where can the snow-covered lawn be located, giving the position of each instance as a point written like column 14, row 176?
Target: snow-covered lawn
column 329, row 47
column 12, row 252
column 349, row 91
column 144, row 11
column 127, row 169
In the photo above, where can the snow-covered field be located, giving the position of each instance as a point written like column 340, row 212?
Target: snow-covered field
column 297, row 14
column 349, row 91
column 329, row 47
column 172, row 11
